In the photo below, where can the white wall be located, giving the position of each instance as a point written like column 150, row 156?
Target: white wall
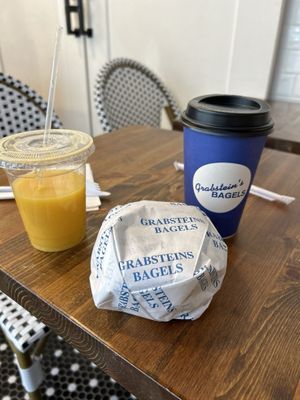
column 254, row 45
column 26, row 31
column 286, row 83
column 195, row 47
column 199, row 47
column 27, row 37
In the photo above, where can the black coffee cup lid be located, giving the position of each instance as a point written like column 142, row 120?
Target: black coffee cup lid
column 221, row 114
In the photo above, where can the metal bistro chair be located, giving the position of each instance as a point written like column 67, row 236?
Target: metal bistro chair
column 22, row 109
column 128, row 93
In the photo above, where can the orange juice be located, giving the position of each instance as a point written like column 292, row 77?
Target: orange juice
column 48, row 180
column 52, row 207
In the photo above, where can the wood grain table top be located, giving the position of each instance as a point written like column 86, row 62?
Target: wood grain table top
column 245, row 346
column 286, row 132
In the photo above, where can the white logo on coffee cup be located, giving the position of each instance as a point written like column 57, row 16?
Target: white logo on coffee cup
column 220, row 187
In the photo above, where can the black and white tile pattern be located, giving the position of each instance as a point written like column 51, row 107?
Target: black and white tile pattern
column 68, row 375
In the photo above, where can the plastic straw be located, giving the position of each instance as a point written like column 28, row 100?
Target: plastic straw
column 271, row 196
column 52, row 86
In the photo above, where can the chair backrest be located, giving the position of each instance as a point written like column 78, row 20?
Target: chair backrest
column 21, row 108
column 128, row 93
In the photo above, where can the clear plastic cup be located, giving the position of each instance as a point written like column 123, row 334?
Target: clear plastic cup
column 49, row 184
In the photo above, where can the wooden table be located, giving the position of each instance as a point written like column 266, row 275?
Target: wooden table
column 286, row 133
column 245, row 346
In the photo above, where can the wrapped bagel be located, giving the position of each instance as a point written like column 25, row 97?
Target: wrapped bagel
column 157, row 260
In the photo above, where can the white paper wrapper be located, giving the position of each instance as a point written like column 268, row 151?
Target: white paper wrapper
column 157, row 260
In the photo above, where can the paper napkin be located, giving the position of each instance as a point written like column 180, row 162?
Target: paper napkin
column 92, row 203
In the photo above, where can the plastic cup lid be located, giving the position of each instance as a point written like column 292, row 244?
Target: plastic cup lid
column 26, row 150
column 221, row 113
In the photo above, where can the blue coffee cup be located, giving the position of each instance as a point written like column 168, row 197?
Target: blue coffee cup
column 224, row 136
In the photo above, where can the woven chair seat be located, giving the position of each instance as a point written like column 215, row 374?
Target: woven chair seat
column 128, row 93
column 21, row 327
column 22, row 109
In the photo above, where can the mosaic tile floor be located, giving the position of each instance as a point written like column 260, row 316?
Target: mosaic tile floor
column 68, row 376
